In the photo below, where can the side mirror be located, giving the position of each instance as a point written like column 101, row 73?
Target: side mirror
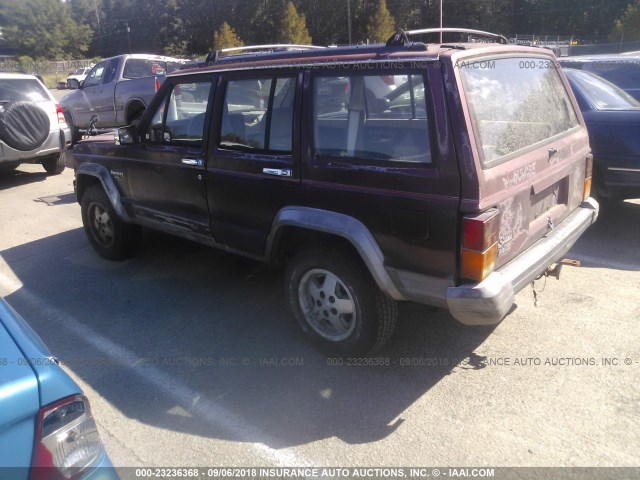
column 73, row 84
column 125, row 136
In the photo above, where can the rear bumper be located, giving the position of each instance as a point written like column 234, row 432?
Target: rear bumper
column 487, row 302
column 57, row 141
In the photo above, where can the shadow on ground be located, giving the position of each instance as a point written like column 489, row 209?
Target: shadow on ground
column 16, row 178
column 218, row 324
column 612, row 242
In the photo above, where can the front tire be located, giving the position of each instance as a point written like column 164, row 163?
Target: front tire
column 109, row 235
column 337, row 304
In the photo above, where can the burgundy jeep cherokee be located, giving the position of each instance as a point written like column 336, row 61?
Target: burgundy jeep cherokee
column 446, row 174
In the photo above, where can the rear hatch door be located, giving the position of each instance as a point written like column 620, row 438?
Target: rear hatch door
column 530, row 144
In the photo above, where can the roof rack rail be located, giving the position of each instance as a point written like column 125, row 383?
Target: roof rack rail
column 273, row 46
column 214, row 56
column 401, row 37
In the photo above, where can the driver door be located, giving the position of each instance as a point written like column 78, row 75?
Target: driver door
column 97, row 93
column 165, row 171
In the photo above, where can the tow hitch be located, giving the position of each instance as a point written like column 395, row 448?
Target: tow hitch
column 552, row 272
column 555, row 271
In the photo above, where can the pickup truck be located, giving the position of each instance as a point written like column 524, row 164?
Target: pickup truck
column 115, row 92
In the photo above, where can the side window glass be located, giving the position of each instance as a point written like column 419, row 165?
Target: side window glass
column 95, row 75
column 258, row 114
column 180, row 118
column 110, row 71
column 371, row 117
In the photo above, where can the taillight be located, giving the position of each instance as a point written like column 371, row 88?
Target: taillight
column 66, row 441
column 61, row 121
column 588, row 177
column 157, row 84
column 479, row 245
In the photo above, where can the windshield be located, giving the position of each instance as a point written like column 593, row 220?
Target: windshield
column 603, row 94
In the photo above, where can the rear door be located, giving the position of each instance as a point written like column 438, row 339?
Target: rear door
column 385, row 156
column 529, row 145
column 253, row 170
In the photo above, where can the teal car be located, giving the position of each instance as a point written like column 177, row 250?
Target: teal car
column 47, row 430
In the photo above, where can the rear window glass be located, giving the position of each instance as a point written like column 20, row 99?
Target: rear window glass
column 624, row 73
column 515, row 103
column 603, row 94
column 140, row 68
column 18, row 90
column 373, row 118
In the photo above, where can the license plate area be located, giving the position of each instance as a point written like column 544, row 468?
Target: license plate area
column 544, row 201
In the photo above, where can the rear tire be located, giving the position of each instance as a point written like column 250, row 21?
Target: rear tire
column 337, row 304
column 135, row 119
column 109, row 235
column 54, row 165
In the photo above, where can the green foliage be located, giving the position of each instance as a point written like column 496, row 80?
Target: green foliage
column 294, row 27
column 381, row 24
column 226, row 37
column 628, row 26
column 43, row 28
column 47, row 29
column 25, row 63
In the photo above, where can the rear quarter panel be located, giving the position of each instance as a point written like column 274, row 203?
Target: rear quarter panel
column 29, row 379
column 19, row 404
column 134, row 89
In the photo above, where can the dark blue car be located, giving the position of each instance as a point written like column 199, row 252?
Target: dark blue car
column 47, row 430
column 613, row 121
column 621, row 70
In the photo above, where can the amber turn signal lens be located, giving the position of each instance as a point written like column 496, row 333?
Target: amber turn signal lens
column 477, row 265
column 588, row 175
column 587, row 189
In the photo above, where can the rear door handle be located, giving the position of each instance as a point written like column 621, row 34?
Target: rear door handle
column 194, row 162
column 278, row 172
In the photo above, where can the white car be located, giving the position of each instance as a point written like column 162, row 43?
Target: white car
column 80, row 74
column 32, row 125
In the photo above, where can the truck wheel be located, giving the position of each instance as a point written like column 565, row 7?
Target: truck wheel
column 54, row 164
column 110, row 236
column 337, row 304
column 135, row 119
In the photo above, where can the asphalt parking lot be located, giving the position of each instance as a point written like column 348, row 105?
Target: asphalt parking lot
column 190, row 357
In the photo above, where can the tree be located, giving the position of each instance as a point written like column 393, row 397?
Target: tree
column 381, row 24
column 226, row 37
column 43, row 29
column 628, row 26
column 294, row 27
